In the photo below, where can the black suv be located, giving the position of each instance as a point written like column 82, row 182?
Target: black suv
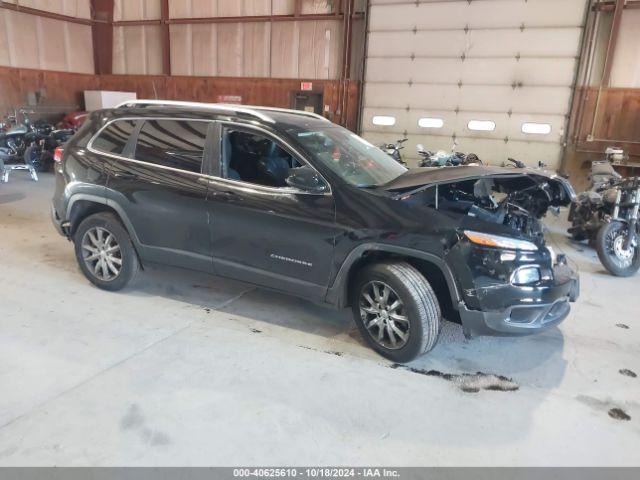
column 291, row 202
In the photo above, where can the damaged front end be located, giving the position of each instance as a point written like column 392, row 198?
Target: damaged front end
column 511, row 281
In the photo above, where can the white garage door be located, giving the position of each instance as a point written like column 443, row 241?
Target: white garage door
column 496, row 75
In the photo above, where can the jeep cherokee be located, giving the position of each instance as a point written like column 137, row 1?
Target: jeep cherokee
column 289, row 201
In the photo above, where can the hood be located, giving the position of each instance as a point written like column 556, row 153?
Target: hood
column 418, row 178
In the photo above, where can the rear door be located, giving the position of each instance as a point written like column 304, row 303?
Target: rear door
column 160, row 185
column 263, row 231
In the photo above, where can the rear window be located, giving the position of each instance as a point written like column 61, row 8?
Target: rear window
column 114, row 137
column 173, row 143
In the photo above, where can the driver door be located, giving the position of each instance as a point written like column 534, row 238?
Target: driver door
column 263, row 231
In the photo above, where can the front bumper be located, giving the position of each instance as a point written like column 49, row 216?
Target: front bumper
column 539, row 309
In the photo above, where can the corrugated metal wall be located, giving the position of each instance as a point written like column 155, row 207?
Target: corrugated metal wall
column 291, row 49
column 30, row 41
column 509, row 62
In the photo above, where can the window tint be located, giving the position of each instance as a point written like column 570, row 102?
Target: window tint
column 172, row 143
column 351, row 157
column 114, row 138
column 254, row 158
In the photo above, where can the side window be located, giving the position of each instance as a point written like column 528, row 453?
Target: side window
column 114, row 137
column 255, row 158
column 172, row 143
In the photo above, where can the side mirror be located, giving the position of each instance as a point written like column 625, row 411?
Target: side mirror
column 306, row 179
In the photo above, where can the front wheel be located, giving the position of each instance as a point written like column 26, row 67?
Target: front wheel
column 610, row 244
column 396, row 310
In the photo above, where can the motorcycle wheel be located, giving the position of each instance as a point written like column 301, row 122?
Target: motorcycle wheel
column 611, row 252
column 33, row 157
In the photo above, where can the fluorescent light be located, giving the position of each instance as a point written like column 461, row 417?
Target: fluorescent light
column 384, row 120
column 427, row 122
column 536, row 128
column 482, row 125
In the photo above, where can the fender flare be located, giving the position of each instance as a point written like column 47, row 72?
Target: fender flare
column 337, row 291
column 101, row 199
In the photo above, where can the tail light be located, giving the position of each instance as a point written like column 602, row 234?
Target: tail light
column 57, row 154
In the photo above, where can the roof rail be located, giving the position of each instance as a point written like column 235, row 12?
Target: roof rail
column 295, row 112
column 209, row 106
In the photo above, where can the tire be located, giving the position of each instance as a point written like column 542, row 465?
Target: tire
column 610, row 235
column 579, row 236
column 33, row 157
column 97, row 227
column 419, row 307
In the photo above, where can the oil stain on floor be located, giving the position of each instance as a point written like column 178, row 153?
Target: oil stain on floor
column 619, row 414
column 468, row 382
column 628, row 373
column 602, row 405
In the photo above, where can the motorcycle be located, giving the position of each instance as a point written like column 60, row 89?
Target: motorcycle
column 40, row 153
column 513, row 163
column 607, row 215
column 442, row 158
column 18, row 137
column 73, row 121
column 393, row 150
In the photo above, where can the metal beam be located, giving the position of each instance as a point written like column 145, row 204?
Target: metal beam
column 245, row 19
column 613, row 41
column 166, row 37
column 43, row 13
column 102, row 36
column 610, row 6
column 608, row 61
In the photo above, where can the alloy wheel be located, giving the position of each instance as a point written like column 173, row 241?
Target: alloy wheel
column 383, row 315
column 101, row 253
column 615, row 246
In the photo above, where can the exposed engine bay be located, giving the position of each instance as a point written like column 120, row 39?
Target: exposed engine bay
column 515, row 201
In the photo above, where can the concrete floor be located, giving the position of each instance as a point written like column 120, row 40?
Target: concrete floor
column 185, row 369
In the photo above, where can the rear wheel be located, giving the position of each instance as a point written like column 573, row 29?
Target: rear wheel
column 610, row 243
column 33, row 157
column 396, row 310
column 104, row 252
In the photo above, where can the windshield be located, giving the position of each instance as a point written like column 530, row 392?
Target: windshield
column 351, row 157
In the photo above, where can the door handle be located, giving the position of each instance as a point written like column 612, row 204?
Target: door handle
column 125, row 175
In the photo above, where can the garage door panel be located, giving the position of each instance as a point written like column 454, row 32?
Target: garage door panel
column 507, row 126
column 548, row 100
column 476, row 43
column 530, row 71
column 506, row 61
column 403, row 15
column 490, row 151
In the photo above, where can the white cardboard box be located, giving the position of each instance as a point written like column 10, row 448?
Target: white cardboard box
column 99, row 99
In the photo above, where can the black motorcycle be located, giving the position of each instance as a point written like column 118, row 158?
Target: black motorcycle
column 607, row 215
column 40, row 153
column 393, row 150
column 17, row 138
column 446, row 159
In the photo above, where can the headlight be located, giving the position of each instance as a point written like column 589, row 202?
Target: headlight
column 488, row 240
column 525, row 276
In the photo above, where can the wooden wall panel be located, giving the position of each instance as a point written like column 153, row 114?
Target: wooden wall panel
column 59, row 90
column 66, row 90
column 617, row 121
